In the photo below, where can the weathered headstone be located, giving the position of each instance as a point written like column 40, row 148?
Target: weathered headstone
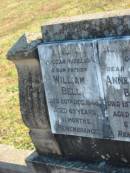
column 72, row 88
column 113, row 24
column 80, row 88
column 114, row 59
column 87, row 87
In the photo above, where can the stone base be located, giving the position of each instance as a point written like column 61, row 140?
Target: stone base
column 13, row 160
column 55, row 164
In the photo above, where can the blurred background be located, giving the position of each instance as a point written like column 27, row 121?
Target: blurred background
column 16, row 18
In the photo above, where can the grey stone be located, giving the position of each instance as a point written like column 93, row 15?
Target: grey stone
column 107, row 24
column 31, row 89
column 56, row 57
column 88, row 26
column 13, row 160
column 32, row 96
column 115, row 71
column 52, row 164
column 25, row 47
column 74, row 95
column 87, row 87
column 42, row 139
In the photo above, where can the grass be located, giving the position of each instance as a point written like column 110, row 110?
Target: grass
column 17, row 17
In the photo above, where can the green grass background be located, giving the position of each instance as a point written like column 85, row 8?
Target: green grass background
column 17, row 17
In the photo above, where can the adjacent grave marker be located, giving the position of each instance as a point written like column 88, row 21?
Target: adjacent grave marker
column 87, row 87
column 114, row 59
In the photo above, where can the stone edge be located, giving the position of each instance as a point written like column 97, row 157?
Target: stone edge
column 14, row 161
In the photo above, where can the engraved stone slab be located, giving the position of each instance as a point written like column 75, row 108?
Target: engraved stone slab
column 72, row 87
column 84, row 81
column 114, row 59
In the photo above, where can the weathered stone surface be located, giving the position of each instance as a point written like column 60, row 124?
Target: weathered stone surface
column 13, row 160
column 115, row 72
column 31, row 89
column 72, row 88
column 25, row 47
column 32, row 102
column 90, row 26
column 85, row 149
column 105, row 76
column 51, row 164
column 42, row 139
column 96, row 26
column 87, row 87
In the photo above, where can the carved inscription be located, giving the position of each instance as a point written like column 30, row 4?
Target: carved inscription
column 87, row 87
column 114, row 59
column 72, row 88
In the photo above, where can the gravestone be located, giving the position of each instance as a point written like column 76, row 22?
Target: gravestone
column 74, row 94
column 71, row 85
column 87, row 87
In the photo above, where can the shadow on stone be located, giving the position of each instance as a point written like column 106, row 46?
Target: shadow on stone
column 12, row 168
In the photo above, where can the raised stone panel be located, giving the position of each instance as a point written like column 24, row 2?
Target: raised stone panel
column 83, row 79
column 114, row 58
column 78, row 146
column 74, row 95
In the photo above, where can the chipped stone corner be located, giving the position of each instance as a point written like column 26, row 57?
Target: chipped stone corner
column 24, row 47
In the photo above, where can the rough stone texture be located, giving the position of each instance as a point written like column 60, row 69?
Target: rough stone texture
column 90, row 102
column 52, row 164
column 115, row 71
column 82, row 86
column 42, row 139
column 13, row 160
column 88, row 27
column 24, row 55
column 31, row 90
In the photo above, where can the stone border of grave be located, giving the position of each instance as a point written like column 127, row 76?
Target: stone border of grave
column 13, row 160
